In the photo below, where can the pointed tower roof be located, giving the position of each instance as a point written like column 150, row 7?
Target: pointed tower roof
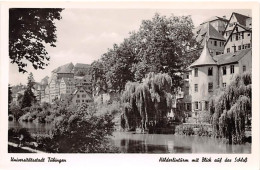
column 205, row 58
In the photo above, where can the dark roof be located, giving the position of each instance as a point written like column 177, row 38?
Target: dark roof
column 81, row 65
column 231, row 57
column 214, row 18
column 209, row 31
column 204, row 59
column 241, row 19
column 67, row 68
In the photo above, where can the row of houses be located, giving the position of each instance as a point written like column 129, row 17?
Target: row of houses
column 65, row 81
column 226, row 50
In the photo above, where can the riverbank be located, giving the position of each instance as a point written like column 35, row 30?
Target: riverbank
column 13, row 148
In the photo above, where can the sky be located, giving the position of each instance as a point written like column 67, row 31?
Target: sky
column 83, row 35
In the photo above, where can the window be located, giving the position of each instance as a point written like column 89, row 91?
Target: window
column 244, row 68
column 188, row 106
column 224, row 70
column 218, row 53
column 248, row 35
column 196, row 72
column 210, row 71
column 235, row 48
column 196, row 105
column 77, row 101
column 220, row 43
column 239, row 47
column 243, row 46
column 215, row 43
column 196, row 87
column 84, row 96
column 242, row 35
column 77, row 95
column 206, row 105
column 249, row 45
column 210, row 87
column 82, row 101
column 236, row 37
column 224, row 85
column 228, row 50
column 232, row 69
column 187, row 76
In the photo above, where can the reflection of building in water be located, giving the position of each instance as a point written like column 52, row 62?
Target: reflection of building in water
column 170, row 145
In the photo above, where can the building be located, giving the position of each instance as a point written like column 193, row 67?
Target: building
column 239, row 38
column 67, row 85
column 235, row 19
column 214, row 39
column 217, row 22
column 211, row 72
column 203, row 80
column 81, row 95
column 231, row 64
column 217, row 65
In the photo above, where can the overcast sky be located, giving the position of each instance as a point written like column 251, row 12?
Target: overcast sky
column 83, row 35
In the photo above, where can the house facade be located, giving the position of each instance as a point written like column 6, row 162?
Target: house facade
column 81, row 95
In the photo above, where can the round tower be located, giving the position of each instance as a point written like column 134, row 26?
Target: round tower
column 203, row 81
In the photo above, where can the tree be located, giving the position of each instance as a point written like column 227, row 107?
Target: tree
column 28, row 97
column 30, row 29
column 233, row 109
column 160, row 46
column 147, row 102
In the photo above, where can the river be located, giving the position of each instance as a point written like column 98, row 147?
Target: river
column 129, row 142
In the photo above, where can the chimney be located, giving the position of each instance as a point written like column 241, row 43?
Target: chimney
column 224, row 16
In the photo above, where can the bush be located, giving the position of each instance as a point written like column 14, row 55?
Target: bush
column 77, row 134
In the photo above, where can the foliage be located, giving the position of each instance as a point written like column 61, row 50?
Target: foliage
column 233, row 109
column 15, row 110
column 13, row 135
column 28, row 97
column 160, row 46
column 30, row 29
column 146, row 102
column 80, row 133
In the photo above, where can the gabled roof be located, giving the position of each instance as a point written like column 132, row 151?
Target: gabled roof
column 213, row 33
column 209, row 31
column 204, row 59
column 229, row 58
column 214, row 18
column 67, row 68
column 81, row 65
column 82, row 88
column 241, row 19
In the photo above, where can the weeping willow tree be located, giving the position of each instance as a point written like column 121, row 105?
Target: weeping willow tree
column 232, row 109
column 147, row 102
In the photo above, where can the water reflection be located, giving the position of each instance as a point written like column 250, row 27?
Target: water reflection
column 36, row 128
column 159, row 143
column 154, row 143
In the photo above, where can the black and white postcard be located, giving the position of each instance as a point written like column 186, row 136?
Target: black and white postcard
column 113, row 84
